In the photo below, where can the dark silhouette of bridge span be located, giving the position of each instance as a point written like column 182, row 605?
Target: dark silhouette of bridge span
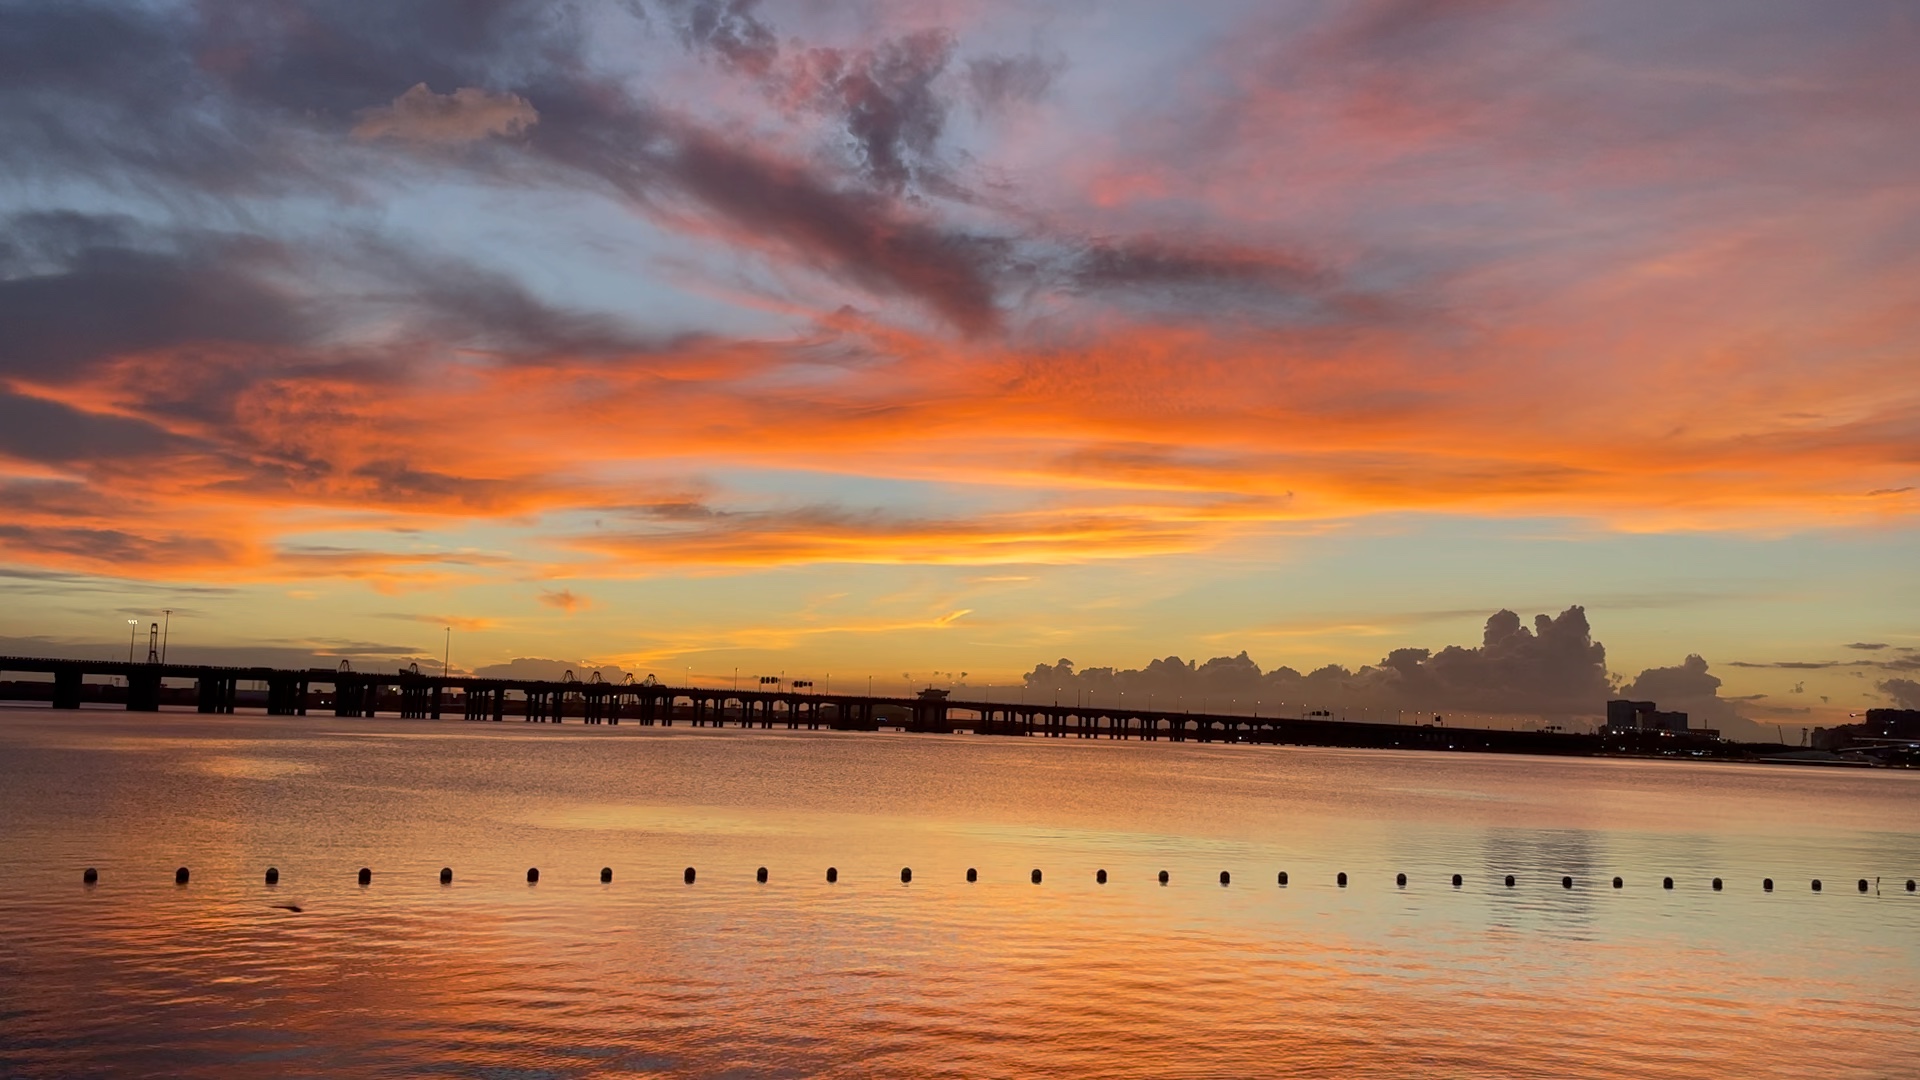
column 414, row 695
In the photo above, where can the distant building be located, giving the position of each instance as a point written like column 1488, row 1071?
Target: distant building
column 1624, row 715
column 1881, row 726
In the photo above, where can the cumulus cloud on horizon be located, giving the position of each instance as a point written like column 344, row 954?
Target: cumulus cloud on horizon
column 1555, row 670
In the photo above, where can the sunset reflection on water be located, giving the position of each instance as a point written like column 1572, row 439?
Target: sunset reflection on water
column 867, row 976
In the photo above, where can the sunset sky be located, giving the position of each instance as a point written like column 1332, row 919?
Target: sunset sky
column 847, row 339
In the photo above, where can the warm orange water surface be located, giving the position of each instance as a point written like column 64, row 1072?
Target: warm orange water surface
column 492, row 977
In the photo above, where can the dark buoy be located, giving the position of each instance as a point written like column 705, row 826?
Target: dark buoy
column 273, row 875
column 1666, row 883
column 606, row 874
column 1716, row 884
column 533, row 875
column 1163, row 877
column 1909, row 884
column 1400, row 880
column 760, row 875
column 1340, row 879
column 1617, row 883
column 1767, row 884
column 1226, row 878
column 972, row 874
column 446, row 875
column 1100, row 876
column 1816, row 884
column 1566, row 883
column 366, row 876
column 1456, row 881
column 833, row 875
column 1863, row 884
column 688, row 875
column 1509, row 881
column 1036, row 875
column 906, row 874
column 89, row 875
column 180, row 876
column 1283, row 877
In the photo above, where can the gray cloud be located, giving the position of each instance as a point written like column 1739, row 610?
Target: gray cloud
column 884, row 99
column 729, row 30
column 115, row 547
column 79, row 288
column 1898, row 663
column 1904, row 692
column 1207, row 279
column 1108, row 263
column 1691, row 688
column 35, row 429
column 1869, row 646
column 60, row 583
column 996, row 82
column 1553, row 669
column 528, row 667
column 1688, row 683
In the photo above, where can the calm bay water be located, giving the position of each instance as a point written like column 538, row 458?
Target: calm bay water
column 646, row 975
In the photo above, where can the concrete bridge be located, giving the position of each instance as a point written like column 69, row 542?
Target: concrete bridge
column 416, row 695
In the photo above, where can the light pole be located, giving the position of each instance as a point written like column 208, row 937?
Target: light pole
column 446, row 658
column 133, row 625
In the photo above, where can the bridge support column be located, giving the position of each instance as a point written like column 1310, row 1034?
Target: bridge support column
column 346, row 698
column 66, row 689
column 216, row 693
column 143, row 691
column 286, row 696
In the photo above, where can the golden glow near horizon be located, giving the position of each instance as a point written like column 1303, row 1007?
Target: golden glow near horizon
column 816, row 338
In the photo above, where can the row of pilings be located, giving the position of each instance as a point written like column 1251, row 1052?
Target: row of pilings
column 183, row 875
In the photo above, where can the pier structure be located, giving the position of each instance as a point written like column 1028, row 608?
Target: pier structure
column 413, row 694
